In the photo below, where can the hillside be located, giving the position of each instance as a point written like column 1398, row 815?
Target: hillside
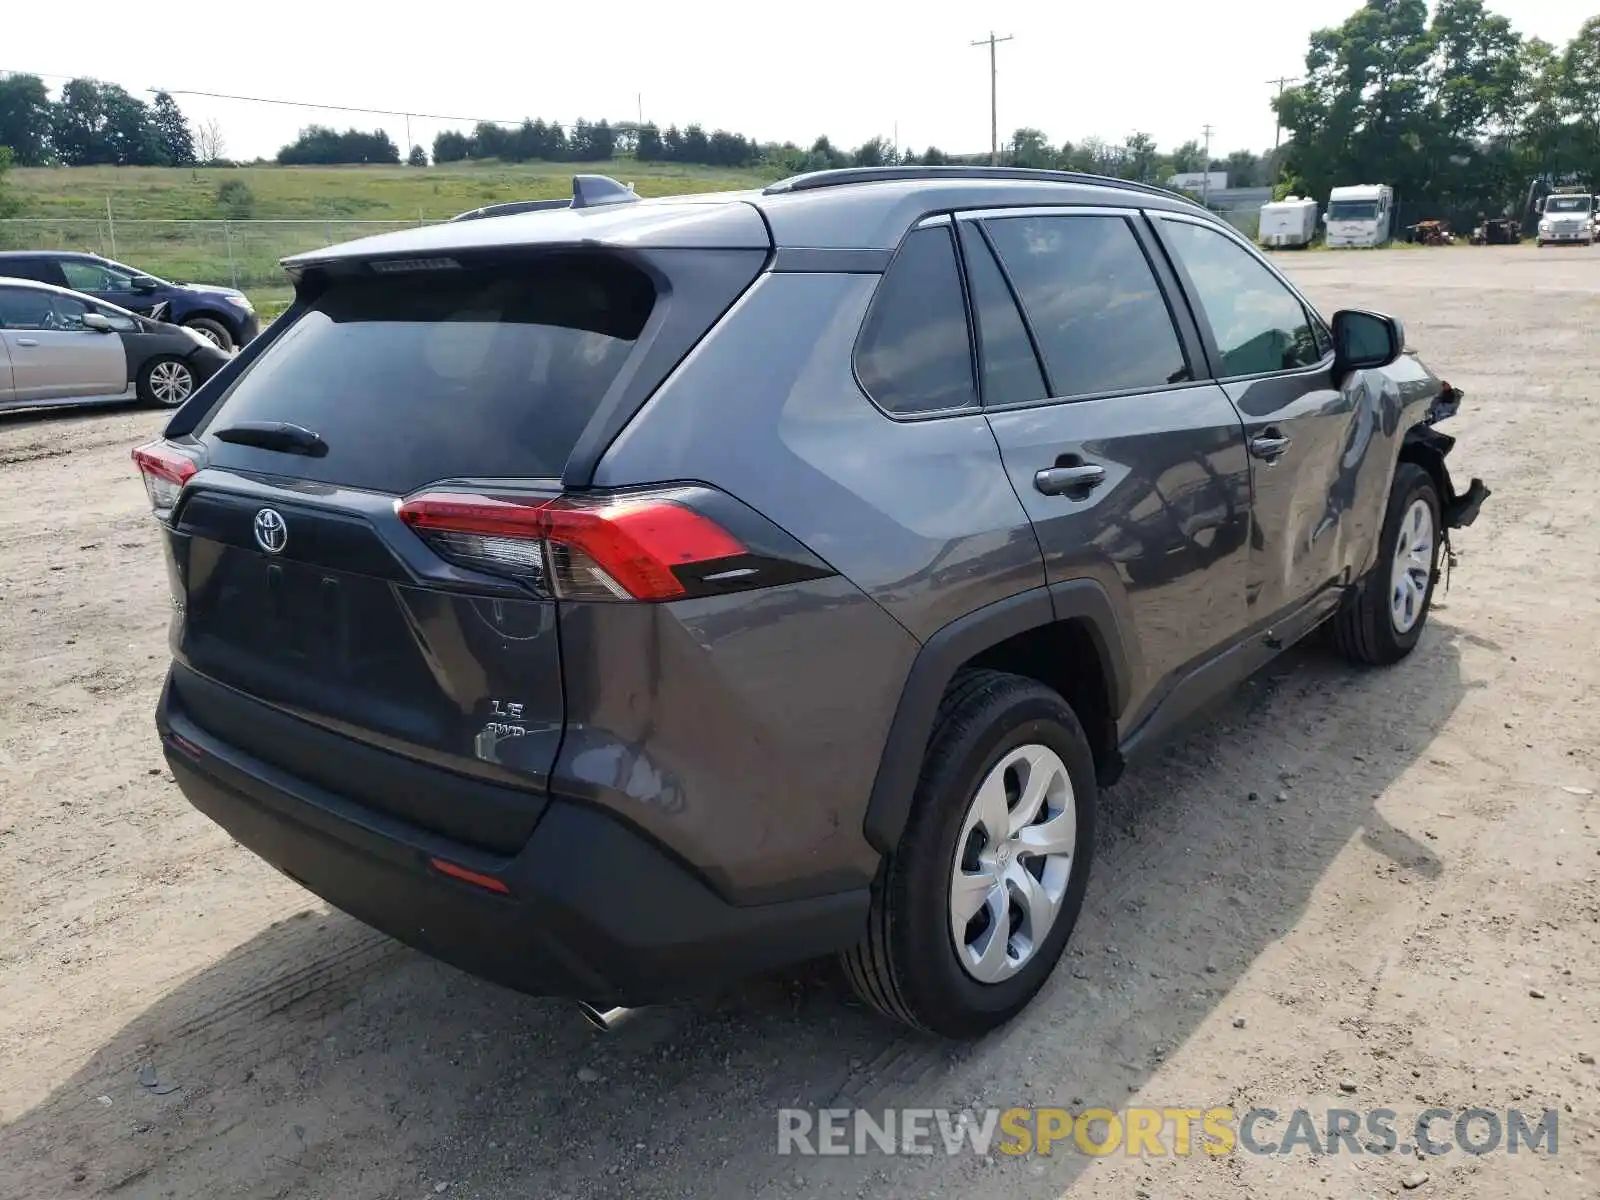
column 287, row 210
column 349, row 193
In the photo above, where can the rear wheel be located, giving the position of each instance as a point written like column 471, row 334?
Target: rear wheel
column 166, row 381
column 973, row 909
column 214, row 332
column 1382, row 622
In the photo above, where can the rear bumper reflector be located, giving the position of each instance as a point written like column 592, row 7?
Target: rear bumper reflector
column 477, row 879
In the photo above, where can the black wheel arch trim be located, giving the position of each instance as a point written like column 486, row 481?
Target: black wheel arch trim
column 1427, row 447
column 943, row 654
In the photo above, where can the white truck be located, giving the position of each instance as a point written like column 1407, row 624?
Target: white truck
column 1567, row 217
column 1359, row 215
column 1290, row 222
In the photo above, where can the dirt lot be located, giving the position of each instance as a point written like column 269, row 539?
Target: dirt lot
column 1390, row 878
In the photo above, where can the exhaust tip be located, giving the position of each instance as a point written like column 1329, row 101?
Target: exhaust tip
column 605, row 1019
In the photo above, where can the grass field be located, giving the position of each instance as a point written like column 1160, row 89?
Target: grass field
column 168, row 221
column 332, row 193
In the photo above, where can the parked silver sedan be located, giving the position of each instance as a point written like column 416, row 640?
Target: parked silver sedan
column 59, row 347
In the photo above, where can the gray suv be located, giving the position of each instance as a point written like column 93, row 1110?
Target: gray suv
column 617, row 599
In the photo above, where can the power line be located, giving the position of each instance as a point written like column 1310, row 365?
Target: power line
column 382, row 112
column 994, row 119
column 355, row 108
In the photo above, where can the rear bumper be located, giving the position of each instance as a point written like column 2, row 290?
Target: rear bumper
column 592, row 908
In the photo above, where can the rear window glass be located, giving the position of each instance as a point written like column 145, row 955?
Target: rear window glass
column 416, row 377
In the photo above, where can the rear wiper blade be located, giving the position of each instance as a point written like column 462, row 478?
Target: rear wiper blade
column 275, row 435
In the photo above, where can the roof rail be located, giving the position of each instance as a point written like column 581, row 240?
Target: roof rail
column 508, row 208
column 588, row 191
column 839, row 177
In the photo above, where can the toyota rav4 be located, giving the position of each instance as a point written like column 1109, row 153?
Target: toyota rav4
column 617, row 599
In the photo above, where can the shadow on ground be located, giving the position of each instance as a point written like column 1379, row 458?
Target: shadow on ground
column 320, row 1059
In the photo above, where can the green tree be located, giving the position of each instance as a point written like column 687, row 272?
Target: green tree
column 490, row 141
column 1030, row 148
column 649, row 148
column 1245, row 169
column 417, row 158
column 1365, row 111
column 135, row 140
column 1140, row 159
column 98, row 123
column 78, row 127
column 172, row 132
column 25, row 116
column 1579, row 90
column 318, row 145
column 1188, row 158
column 8, row 203
column 873, row 152
column 451, row 146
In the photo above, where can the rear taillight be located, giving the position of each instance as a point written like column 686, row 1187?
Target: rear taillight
column 650, row 545
column 165, row 470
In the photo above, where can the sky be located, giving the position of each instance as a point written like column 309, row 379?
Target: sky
column 775, row 72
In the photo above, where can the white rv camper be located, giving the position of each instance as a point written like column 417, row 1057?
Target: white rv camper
column 1290, row 222
column 1359, row 215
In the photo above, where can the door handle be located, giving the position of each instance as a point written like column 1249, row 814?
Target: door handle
column 1074, row 480
column 1269, row 445
column 27, row 341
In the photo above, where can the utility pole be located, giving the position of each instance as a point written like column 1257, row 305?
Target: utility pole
column 1205, row 179
column 994, row 113
column 1282, row 81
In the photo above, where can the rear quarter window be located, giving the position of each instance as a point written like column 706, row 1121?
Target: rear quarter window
column 915, row 352
column 40, row 269
column 415, row 377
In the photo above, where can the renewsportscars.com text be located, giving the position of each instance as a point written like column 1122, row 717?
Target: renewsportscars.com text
column 1159, row 1132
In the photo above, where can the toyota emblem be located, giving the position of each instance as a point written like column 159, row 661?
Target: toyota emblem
column 272, row 533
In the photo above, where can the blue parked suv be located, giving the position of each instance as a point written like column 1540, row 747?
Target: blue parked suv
column 221, row 315
column 616, row 599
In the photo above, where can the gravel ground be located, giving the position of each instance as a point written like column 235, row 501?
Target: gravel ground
column 1348, row 889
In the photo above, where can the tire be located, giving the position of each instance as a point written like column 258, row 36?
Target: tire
column 1372, row 626
column 161, row 381
column 215, row 331
column 907, row 965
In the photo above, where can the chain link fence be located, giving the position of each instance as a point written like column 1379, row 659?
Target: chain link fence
column 241, row 254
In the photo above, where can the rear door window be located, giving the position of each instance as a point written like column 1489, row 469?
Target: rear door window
column 1009, row 367
column 24, row 308
column 420, row 376
column 1092, row 299
column 41, row 269
column 915, row 354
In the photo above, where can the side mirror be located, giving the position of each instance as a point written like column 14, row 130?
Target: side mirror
column 1365, row 340
column 96, row 322
column 143, row 283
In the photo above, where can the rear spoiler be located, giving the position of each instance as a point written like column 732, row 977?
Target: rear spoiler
column 588, row 191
